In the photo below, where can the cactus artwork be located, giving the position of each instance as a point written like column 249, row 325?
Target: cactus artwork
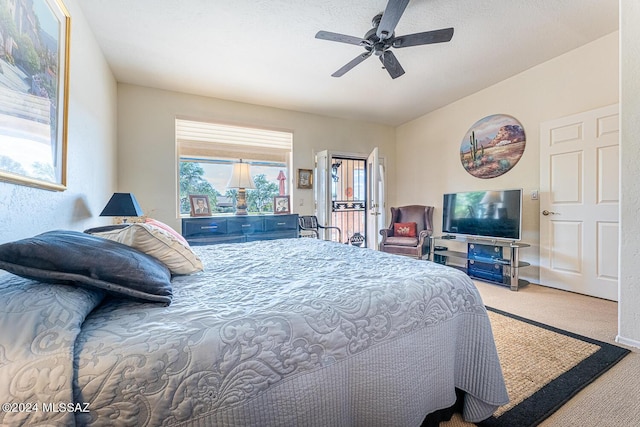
column 475, row 155
column 492, row 146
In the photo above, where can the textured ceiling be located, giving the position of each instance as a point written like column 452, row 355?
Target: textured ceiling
column 264, row 51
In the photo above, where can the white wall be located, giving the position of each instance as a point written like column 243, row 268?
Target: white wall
column 147, row 159
column 91, row 173
column 428, row 160
column 629, row 307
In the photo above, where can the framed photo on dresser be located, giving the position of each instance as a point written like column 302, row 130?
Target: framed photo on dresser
column 281, row 205
column 200, row 205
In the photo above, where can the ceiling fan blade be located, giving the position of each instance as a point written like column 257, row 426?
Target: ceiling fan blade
column 392, row 65
column 342, row 38
column 355, row 61
column 390, row 18
column 428, row 37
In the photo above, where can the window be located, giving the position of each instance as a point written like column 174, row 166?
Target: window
column 208, row 151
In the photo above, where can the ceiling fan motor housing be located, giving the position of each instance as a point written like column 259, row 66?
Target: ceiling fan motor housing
column 374, row 44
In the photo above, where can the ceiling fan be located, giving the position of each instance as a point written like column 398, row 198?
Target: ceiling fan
column 381, row 38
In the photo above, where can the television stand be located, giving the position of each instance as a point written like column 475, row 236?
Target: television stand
column 493, row 261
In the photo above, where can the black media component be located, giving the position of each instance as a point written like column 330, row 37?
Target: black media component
column 440, row 259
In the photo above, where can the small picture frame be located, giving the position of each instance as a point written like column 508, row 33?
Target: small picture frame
column 305, row 179
column 200, row 205
column 281, row 205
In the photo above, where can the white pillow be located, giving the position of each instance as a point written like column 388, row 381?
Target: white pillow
column 158, row 243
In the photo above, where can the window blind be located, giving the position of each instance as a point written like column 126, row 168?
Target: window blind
column 215, row 140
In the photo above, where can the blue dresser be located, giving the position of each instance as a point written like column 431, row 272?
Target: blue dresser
column 235, row 229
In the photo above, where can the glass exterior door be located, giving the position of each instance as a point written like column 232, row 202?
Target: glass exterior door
column 348, row 198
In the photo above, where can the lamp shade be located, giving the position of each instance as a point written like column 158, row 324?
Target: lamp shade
column 241, row 176
column 122, row 204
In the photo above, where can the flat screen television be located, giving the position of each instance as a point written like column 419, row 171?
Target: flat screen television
column 495, row 214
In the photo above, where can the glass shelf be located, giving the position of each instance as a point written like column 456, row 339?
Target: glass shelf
column 506, row 269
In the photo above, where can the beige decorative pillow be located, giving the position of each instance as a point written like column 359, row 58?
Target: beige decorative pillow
column 159, row 243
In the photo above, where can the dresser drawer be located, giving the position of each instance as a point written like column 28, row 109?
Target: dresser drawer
column 273, row 235
column 236, row 229
column 215, row 239
column 245, row 225
column 193, row 227
column 278, row 223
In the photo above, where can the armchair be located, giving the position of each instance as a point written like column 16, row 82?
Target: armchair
column 402, row 237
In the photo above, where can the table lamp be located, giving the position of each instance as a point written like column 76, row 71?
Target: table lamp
column 122, row 204
column 241, row 179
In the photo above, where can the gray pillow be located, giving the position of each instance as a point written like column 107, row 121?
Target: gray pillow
column 74, row 258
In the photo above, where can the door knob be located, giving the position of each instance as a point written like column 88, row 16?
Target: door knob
column 546, row 212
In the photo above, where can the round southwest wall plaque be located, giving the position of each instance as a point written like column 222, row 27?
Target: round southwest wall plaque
column 492, row 146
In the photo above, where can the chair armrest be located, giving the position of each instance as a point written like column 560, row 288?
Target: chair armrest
column 424, row 234
column 423, row 239
column 312, row 230
column 339, row 233
column 385, row 232
column 335, row 228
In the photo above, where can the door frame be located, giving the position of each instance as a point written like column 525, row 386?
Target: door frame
column 326, row 215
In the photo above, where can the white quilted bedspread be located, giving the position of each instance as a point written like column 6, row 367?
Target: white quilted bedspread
column 296, row 332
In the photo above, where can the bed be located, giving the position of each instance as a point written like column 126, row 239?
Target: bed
column 291, row 332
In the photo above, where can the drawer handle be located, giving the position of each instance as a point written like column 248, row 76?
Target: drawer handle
column 208, row 226
column 281, row 223
column 246, row 225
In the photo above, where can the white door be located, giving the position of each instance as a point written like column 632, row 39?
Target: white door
column 375, row 197
column 579, row 203
column 322, row 188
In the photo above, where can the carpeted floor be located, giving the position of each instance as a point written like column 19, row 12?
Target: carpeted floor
column 543, row 368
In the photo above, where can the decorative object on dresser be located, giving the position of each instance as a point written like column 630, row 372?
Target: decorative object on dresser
column 242, row 180
column 200, row 205
column 305, row 179
column 408, row 231
column 122, row 204
column 237, row 229
column 281, row 205
column 309, row 227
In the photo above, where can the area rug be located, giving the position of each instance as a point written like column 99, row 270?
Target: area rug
column 543, row 367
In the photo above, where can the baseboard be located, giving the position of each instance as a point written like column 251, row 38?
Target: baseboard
column 627, row 341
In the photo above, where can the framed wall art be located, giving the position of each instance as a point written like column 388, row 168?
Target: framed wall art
column 35, row 85
column 492, row 146
column 200, row 205
column 305, row 179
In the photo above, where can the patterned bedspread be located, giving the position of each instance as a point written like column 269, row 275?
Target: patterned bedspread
column 283, row 332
